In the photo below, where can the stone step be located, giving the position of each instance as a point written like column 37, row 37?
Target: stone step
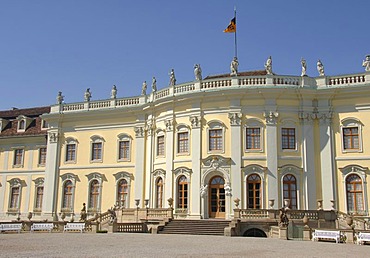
column 195, row 227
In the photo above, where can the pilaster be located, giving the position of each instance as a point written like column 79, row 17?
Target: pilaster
column 196, row 156
column 271, row 154
column 149, row 160
column 169, row 158
column 139, row 162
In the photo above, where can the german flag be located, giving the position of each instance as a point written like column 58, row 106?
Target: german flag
column 232, row 26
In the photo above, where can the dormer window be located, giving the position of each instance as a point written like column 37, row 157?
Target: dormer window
column 3, row 124
column 44, row 125
column 23, row 123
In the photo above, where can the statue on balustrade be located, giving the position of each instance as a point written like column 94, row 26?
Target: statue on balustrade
column 366, row 63
column 87, row 95
column 283, row 218
column 320, row 68
column 83, row 214
column 143, row 88
column 197, row 72
column 172, row 78
column 113, row 94
column 304, row 67
column 113, row 216
column 60, row 98
column 268, row 66
column 234, row 67
column 154, row 84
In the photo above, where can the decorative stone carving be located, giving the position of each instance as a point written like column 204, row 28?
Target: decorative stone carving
column 159, row 173
column 197, row 72
column 143, row 88
column 227, row 189
column 325, row 117
column 113, row 94
column 307, row 117
column 320, row 68
column 216, row 161
column 183, row 171
column 204, row 191
column 87, row 95
column 60, row 98
column 139, row 131
column 366, row 63
column 172, row 78
column 169, row 125
column 268, row 66
column 154, row 84
column 234, row 66
column 304, row 67
column 53, row 137
column 271, row 117
column 235, row 118
column 195, row 121
column 149, row 128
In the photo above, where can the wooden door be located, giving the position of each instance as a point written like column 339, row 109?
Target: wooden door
column 217, row 197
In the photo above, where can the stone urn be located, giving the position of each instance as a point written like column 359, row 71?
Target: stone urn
column 305, row 220
column 29, row 216
column 349, row 221
column 170, row 202
column 286, row 204
column 63, row 216
column 319, row 205
column 271, row 203
column 237, row 202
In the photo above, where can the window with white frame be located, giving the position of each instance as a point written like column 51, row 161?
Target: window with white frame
column 18, row 157
column 67, row 202
column 15, row 195
column 124, row 147
column 182, row 139
column 23, row 123
column 351, row 129
column 44, row 125
column 355, row 197
column 290, row 190
column 288, row 138
column 216, row 131
column 159, row 192
column 97, row 149
column 122, row 193
column 42, row 156
column 160, row 145
column 94, row 195
column 182, row 193
column 71, row 150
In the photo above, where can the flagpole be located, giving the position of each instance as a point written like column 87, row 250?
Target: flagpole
column 236, row 47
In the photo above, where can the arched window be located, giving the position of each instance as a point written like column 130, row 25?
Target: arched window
column 182, row 193
column 94, row 195
column 122, row 193
column 290, row 190
column 39, row 197
column 67, row 195
column 159, row 193
column 254, row 191
column 355, row 200
column 14, row 198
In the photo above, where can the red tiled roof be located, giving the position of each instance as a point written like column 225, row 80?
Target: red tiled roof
column 249, row 73
column 34, row 128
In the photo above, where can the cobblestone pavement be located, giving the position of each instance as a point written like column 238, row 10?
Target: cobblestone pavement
column 147, row 245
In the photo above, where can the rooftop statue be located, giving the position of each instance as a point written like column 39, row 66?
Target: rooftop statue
column 113, row 94
column 366, row 63
column 143, row 88
column 268, row 66
column 60, row 98
column 234, row 66
column 197, row 72
column 87, row 95
column 320, row 68
column 304, row 67
column 172, row 78
column 154, row 84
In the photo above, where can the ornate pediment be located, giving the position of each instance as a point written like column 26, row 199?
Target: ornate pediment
column 216, row 161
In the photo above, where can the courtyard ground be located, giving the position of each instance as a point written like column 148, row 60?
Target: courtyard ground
column 147, row 245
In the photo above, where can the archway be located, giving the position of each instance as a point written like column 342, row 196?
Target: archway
column 254, row 232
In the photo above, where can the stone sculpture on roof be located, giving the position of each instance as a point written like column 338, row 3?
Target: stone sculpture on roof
column 366, row 63
column 197, row 72
column 304, row 67
column 87, row 95
column 143, row 88
column 113, row 94
column 268, row 66
column 154, row 84
column 172, row 78
column 234, row 66
column 320, row 68
column 60, row 98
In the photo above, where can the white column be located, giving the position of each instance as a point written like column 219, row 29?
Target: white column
column 236, row 152
column 139, row 186
column 149, row 161
column 26, row 206
column 308, row 155
column 196, row 156
column 326, row 157
column 272, row 158
column 51, row 182
column 169, row 160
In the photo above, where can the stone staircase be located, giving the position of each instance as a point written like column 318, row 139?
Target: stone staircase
column 195, row 227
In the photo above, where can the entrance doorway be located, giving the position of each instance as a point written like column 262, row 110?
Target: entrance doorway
column 217, row 197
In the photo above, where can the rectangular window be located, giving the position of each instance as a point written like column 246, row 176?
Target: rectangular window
column 96, row 151
column 71, row 152
column 21, row 125
column 215, row 140
column 350, row 138
column 18, row 157
column 124, row 150
column 182, row 142
column 42, row 156
column 253, row 136
column 160, row 145
column 288, row 138
column 14, row 198
column 39, row 197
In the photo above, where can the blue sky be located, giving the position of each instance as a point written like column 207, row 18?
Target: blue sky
column 48, row 46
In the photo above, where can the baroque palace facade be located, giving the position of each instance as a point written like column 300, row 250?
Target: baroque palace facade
column 255, row 136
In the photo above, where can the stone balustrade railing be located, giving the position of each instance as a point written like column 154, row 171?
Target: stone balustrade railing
column 218, row 84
